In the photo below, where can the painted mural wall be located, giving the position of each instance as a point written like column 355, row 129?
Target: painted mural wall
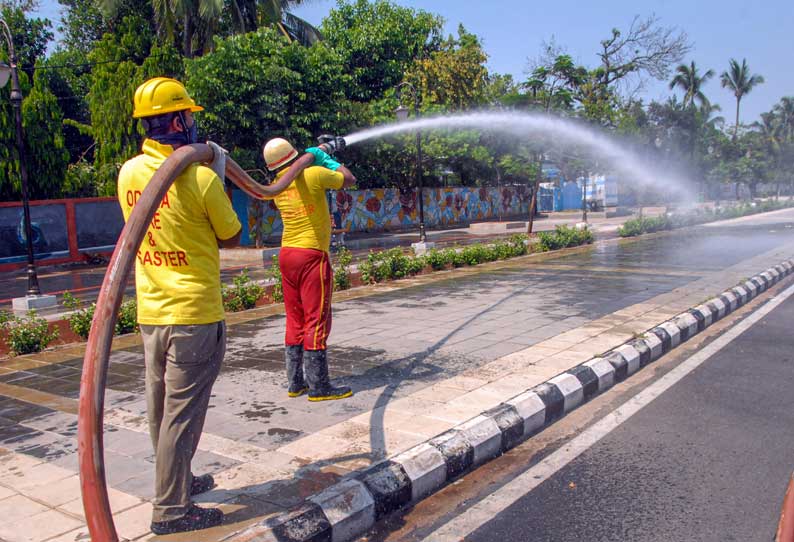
column 393, row 209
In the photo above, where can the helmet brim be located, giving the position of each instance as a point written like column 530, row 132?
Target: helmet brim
column 193, row 108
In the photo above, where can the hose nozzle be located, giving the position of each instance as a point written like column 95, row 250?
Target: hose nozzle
column 331, row 143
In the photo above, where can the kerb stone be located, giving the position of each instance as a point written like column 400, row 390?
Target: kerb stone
column 571, row 390
column 604, row 371
column 349, row 507
column 531, row 409
column 425, row 467
column 484, row 436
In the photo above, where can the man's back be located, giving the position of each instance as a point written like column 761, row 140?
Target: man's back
column 304, row 209
column 177, row 272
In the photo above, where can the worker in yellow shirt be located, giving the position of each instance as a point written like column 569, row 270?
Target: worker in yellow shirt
column 307, row 277
column 178, row 288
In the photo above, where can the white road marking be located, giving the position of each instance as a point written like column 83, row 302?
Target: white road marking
column 482, row 512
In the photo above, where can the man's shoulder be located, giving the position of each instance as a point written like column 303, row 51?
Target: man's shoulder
column 133, row 162
column 317, row 171
column 131, row 169
column 319, row 174
column 204, row 176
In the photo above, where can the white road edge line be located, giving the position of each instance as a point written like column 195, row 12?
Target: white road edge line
column 488, row 508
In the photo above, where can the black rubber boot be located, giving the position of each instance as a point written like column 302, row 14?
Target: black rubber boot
column 195, row 519
column 201, row 484
column 320, row 388
column 294, row 357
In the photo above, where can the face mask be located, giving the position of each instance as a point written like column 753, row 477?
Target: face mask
column 180, row 138
column 192, row 132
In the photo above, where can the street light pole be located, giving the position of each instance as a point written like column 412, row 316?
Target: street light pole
column 16, row 102
column 402, row 112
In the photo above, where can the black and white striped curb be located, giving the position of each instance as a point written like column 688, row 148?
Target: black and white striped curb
column 351, row 507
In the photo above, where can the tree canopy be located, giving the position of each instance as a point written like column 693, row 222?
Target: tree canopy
column 261, row 72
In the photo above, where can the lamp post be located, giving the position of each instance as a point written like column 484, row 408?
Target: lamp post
column 402, row 114
column 7, row 71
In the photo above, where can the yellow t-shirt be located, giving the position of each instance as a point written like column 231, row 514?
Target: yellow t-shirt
column 304, row 208
column 177, row 272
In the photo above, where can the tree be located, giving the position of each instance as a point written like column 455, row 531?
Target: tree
column 691, row 82
column 83, row 23
column 121, row 62
column 378, row 41
column 30, row 36
column 646, row 47
column 280, row 89
column 10, row 179
column 784, row 112
column 47, row 156
column 454, row 76
column 555, row 85
column 739, row 81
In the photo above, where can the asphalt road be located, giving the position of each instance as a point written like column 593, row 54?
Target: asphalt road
column 708, row 460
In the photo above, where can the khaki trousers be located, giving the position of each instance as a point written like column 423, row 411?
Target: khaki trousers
column 182, row 363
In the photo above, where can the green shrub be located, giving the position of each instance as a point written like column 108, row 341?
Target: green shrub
column 563, row 237
column 127, row 318
column 30, row 334
column 436, row 259
column 5, row 319
column 640, row 225
column 342, row 269
column 244, row 292
column 80, row 319
column 416, row 265
column 273, row 273
column 390, row 264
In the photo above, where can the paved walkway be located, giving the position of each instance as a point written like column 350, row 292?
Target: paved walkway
column 84, row 281
column 422, row 354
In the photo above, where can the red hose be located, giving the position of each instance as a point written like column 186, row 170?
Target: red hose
column 785, row 528
column 92, row 385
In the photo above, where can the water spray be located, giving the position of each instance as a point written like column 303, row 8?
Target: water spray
column 522, row 125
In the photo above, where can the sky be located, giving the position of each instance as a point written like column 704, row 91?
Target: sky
column 512, row 32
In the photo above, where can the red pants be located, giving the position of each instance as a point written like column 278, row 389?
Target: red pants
column 307, row 279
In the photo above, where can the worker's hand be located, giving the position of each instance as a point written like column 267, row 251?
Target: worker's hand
column 331, row 144
column 322, row 159
column 218, row 163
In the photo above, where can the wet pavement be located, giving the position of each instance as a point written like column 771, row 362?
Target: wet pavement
column 406, row 343
column 84, row 280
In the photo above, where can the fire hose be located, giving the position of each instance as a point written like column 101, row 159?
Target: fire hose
column 785, row 528
column 91, row 455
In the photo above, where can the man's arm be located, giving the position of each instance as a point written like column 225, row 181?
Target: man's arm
column 232, row 241
column 274, row 189
column 350, row 179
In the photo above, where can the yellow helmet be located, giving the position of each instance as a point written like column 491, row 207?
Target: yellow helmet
column 278, row 152
column 162, row 95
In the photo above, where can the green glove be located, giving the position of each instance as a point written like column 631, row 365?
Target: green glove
column 323, row 159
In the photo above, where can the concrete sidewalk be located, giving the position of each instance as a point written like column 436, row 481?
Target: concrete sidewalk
column 422, row 354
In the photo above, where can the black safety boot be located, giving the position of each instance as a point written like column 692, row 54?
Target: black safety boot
column 320, row 388
column 201, row 484
column 196, row 518
column 294, row 356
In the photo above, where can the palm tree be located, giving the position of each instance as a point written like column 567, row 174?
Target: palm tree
column 739, row 81
column 706, row 112
column 688, row 80
column 785, row 113
column 249, row 15
column 771, row 129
